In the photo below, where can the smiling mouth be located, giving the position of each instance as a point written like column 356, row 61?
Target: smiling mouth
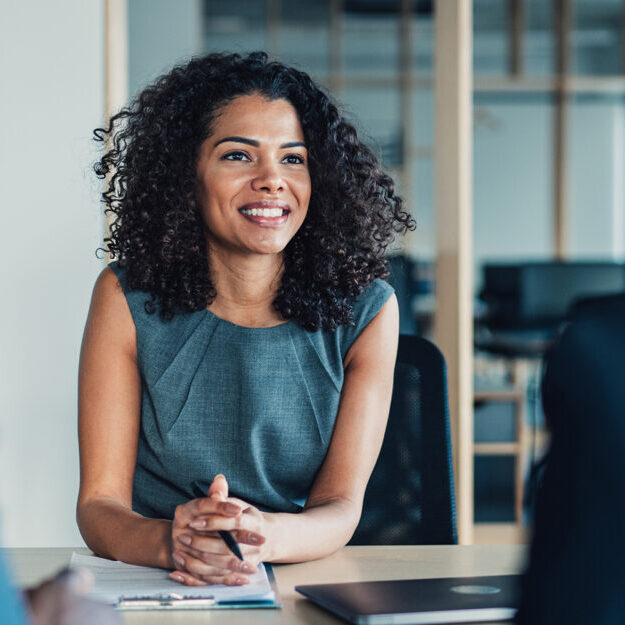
column 265, row 216
column 264, row 212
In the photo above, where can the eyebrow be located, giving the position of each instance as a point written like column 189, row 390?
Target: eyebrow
column 256, row 144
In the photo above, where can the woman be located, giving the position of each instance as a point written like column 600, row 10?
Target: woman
column 240, row 378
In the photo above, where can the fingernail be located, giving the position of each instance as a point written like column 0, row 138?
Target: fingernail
column 231, row 508
column 177, row 577
column 219, row 475
column 255, row 538
column 239, row 581
column 197, row 525
column 178, row 560
column 248, row 567
column 184, row 539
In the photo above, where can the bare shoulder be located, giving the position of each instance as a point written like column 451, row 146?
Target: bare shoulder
column 109, row 310
column 107, row 285
column 378, row 341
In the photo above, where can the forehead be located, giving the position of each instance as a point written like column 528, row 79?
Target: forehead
column 255, row 117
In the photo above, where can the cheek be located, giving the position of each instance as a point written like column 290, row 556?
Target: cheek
column 212, row 216
column 204, row 199
column 305, row 192
column 207, row 206
column 214, row 200
column 217, row 187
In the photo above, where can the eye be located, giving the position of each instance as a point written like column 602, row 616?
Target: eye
column 236, row 155
column 294, row 159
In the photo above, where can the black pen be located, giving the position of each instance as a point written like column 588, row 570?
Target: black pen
column 231, row 542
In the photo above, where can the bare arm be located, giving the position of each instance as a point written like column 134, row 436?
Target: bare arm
column 334, row 505
column 109, row 402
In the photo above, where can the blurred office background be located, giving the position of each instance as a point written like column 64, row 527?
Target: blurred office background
column 548, row 133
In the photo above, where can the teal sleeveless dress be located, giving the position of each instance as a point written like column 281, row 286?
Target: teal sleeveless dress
column 256, row 404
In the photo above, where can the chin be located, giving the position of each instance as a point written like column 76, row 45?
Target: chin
column 268, row 247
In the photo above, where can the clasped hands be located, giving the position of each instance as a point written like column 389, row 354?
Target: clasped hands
column 200, row 555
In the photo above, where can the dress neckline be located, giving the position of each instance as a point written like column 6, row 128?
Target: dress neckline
column 247, row 328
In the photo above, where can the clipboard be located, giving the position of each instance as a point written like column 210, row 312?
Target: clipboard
column 200, row 602
column 129, row 587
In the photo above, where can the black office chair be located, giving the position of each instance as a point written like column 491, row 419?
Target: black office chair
column 410, row 497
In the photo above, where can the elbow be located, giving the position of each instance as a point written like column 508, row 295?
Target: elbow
column 93, row 517
column 352, row 525
column 349, row 512
column 84, row 514
column 86, row 520
column 81, row 515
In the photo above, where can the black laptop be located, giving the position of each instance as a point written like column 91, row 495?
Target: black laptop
column 420, row 601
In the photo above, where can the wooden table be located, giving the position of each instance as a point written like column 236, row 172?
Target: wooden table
column 349, row 564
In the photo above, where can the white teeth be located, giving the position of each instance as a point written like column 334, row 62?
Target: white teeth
column 263, row 212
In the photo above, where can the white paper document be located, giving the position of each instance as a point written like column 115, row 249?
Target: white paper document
column 116, row 580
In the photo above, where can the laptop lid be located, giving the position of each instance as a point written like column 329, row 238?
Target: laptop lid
column 419, row 601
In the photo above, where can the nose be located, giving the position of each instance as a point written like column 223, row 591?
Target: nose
column 268, row 178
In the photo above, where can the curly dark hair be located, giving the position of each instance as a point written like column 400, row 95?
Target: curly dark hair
column 157, row 232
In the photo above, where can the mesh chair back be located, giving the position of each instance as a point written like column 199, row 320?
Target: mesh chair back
column 410, row 496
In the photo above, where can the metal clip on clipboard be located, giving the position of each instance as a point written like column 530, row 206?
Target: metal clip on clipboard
column 171, row 601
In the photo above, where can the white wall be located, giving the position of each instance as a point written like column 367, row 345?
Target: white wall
column 52, row 66
column 51, row 63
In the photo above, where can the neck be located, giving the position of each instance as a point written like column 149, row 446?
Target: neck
column 246, row 288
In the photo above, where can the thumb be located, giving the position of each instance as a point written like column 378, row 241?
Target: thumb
column 219, row 488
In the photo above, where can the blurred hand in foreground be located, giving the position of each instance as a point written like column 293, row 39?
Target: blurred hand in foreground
column 61, row 601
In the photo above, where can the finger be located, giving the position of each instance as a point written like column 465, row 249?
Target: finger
column 195, row 575
column 245, row 507
column 227, row 562
column 219, row 488
column 239, row 502
column 251, row 553
column 186, row 513
column 186, row 578
column 217, row 522
column 190, row 580
column 213, row 549
column 212, row 543
column 186, row 562
column 206, row 543
column 207, row 505
column 248, row 537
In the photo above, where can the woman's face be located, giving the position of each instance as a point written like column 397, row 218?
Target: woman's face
column 253, row 179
